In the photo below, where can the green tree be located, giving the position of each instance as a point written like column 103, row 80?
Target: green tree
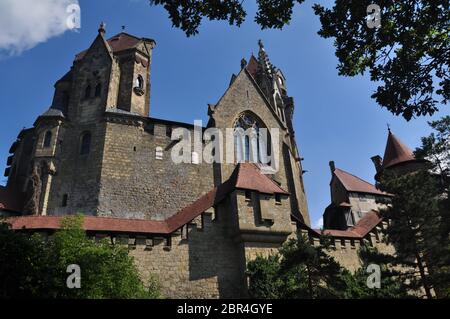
column 36, row 267
column 303, row 271
column 188, row 15
column 408, row 55
column 391, row 280
column 265, row 282
column 418, row 229
column 300, row 270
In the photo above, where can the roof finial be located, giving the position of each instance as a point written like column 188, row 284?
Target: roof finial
column 123, row 28
column 261, row 45
column 264, row 59
column 389, row 127
column 102, row 29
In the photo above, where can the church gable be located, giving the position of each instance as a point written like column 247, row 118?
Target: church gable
column 244, row 95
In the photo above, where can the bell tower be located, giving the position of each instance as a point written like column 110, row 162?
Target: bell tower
column 134, row 69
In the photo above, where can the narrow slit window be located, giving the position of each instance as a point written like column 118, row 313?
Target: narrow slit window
column 87, row 92
column 85, row 143
column 65, row 200
column 98, row 90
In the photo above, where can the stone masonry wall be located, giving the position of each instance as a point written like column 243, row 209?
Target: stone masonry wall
column 135, row 184
column 201, row 262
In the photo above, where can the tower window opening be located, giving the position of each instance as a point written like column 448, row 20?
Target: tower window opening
column 47, row 139
column 98, row 90
column 85, row 143
column 64, row 200
column 278, row 199
column 139, row 82
column 87, row 92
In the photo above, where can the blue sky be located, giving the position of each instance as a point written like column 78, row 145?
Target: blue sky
column 335, row 118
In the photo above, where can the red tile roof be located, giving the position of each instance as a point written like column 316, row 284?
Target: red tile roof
column 10, row 201
column 245, row 176
column 249, row 176
column 253, row 65
column 360, row 230
column 119, row 42
column 353, row 183
column 396, row 152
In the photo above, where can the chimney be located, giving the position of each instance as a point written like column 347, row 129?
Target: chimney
column 332, row 167
column 377, row 161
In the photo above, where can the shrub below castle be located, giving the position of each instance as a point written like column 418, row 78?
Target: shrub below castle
column 36, row 267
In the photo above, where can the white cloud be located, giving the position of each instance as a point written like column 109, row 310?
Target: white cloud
column 26, row 23
column 318, row 224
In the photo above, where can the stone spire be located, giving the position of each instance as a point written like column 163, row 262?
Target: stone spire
column 396, row 152
column 263, row 59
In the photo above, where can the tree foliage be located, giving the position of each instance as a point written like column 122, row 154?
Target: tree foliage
column 188, row 14
column 303, row 271
column 36, row 267
column 392, row 284
column 408, row 55
column 420, row 215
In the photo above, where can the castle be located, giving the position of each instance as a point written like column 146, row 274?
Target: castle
column 195, row 225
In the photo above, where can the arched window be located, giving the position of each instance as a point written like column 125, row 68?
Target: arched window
column 87, row 92
column 251, row 139
column 139, row 82
column 85, row 147
column 98, row 90
column 47, row 139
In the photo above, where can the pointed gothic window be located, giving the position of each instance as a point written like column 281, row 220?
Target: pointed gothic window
column 251, row 140
column 47, row 139
column 98, row 90
column 85, row 146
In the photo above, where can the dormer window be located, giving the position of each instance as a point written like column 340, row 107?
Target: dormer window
column 139, row 85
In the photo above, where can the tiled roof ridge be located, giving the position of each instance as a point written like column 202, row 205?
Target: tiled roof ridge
column 359, row 178
column 364, row 226
column 371, row 188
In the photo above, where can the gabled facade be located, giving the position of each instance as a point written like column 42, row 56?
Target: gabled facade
column 351, row 199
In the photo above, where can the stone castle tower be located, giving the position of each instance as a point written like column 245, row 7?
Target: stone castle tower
column 96, row 151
